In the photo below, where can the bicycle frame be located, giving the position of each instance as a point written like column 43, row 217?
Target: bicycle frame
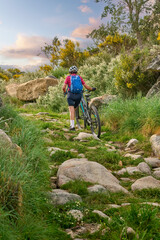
column 84, row 107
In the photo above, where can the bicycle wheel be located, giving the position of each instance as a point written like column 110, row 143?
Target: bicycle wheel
column 80, row 119
column 95, row 121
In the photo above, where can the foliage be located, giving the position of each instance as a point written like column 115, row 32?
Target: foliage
column 132, row 116
column 95, row 73
column 30, row 76
column 65, row 53
column 46, row 68
column 130, row 72
column 54, row 99
column 127, row 14
column 4, row 77
column 59, row 72
column 24, row 179
column 115, row 43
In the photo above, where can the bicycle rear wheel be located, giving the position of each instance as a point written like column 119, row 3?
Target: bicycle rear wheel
column 95, row 121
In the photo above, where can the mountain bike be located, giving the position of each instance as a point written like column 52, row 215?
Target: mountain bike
column 87, row 116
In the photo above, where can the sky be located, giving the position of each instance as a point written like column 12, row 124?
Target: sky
column 26, row 25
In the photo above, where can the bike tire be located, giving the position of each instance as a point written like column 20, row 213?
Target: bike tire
column 95, row 121
column 80, row 119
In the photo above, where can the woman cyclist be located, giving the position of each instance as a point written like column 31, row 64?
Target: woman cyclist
column 74, row 96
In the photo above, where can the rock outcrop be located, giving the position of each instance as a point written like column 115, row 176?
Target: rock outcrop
column 88, row 171
column 31, row 90
column 155, row 142
column 11, row 89
column 6, row 142
column 146, row 183
column 60, row 197
column 155, row 64
column 105, row 99
column 155, row 89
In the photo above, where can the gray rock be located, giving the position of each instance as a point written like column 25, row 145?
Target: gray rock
column 113, row 206
column 152, row 161
column 101, row 214
column 132, row 170
column 156, row 174
column 132, row 142
column 42, row 113
column 128, row 233
column 105, row 99
column 154, row 89
column 96, row 189
column 155, row 64
column 83, row 136
column 133, row 156
column 88, row 171
column 121, row 172
column 155, row 143
column 77, row 214
column 53, row 150
column 60, row 197
column 5, row 140
column 145, row 183
column 144, row 168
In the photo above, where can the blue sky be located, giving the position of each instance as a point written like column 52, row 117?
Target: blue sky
column 25, row 25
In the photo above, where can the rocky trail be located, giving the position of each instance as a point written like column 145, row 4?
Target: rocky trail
column 98, row 180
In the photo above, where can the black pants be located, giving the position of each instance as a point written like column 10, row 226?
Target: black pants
column 74, row 99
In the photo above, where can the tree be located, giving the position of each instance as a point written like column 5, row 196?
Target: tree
column 66, row 53
column 128, row 14
column 53, row 51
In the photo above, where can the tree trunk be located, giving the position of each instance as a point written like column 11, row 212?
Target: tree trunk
column 139, row 39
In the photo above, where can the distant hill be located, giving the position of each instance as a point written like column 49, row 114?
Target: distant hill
column 25, row 68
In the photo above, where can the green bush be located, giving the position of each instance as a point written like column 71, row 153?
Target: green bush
column 59, row 72
column 95, row 73
column 54, row 99
column 130, row 74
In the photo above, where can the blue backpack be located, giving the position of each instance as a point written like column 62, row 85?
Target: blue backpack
column 76, row 84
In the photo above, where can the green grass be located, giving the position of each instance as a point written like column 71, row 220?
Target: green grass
column 78, row 186
column 24, row 184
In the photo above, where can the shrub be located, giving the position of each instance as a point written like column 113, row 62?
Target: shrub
column 59, row 72
column 95, row 73
column 130, row 72
column 54, row 99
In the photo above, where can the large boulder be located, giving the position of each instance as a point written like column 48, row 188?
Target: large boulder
column 155, row 89
column 155, row 143
column 155, row 64
column 88, row 171
column 31, row 90
column 60, row 197
column 146, row 183
column 11, row 89
column 105, row 99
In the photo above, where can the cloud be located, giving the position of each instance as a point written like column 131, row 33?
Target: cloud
column 85, row 9
column 84, row 29
column 85, row 1
column 25, row 47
